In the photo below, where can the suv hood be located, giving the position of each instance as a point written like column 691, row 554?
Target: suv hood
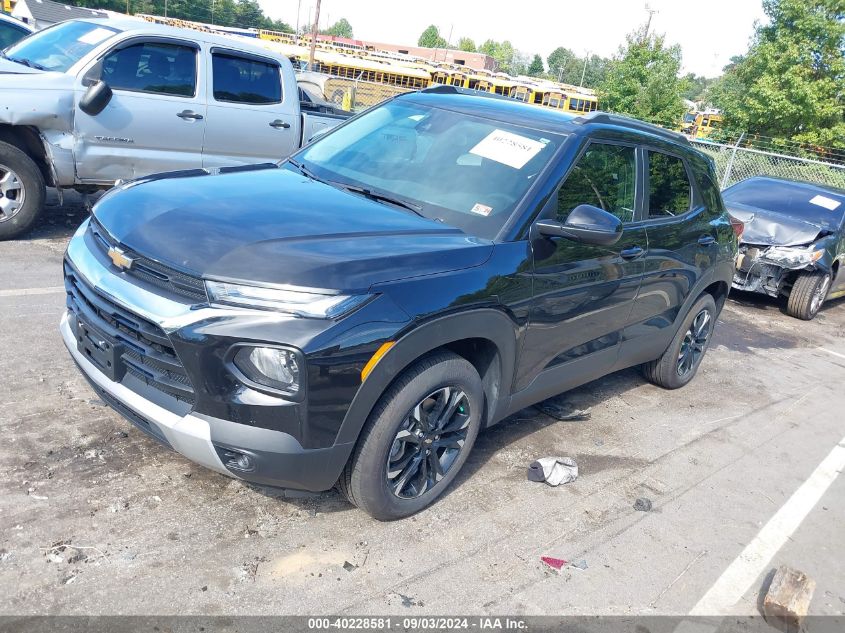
column 769, row 228
column 272, row 225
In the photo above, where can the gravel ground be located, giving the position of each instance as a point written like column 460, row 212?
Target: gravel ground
column 95, row 518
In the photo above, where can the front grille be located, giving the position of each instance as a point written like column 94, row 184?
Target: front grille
column 149, row 270
column 141, row 348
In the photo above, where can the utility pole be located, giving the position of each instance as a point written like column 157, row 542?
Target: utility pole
column 314, row 32
column 651, row 13
column 212, row 12
column 584, row 71
column 298, row 5
column 165, row 8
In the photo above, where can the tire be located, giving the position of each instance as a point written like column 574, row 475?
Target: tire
column 367, row 483
column 679, row 363
column 807, row 295
column 21, row 182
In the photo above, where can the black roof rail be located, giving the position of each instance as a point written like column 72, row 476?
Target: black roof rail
column 455, row 90
column 636, row 124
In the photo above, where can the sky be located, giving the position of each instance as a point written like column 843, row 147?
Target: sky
column 710, row 33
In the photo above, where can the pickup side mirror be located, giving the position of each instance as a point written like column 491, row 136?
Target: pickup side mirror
column 96, row 98
column 586, row 224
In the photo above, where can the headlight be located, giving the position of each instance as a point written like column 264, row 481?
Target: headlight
column 306, row 304
column 274, row 367
column 792, row 257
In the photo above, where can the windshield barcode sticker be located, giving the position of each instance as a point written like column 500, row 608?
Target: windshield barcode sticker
column 509, row 149
column 828, row 203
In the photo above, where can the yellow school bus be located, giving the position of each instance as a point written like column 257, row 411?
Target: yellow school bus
column 580, row 103
column 8, row 6
column 705, row 123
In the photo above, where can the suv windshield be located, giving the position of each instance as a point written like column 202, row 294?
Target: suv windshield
column 463, row 170
column 59, row 47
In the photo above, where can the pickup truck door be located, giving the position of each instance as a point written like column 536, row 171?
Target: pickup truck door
column 155, row 120
column 252, row 115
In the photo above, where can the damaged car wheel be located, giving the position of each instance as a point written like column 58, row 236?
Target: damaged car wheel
column 22, row 191
column 679, row 363
column 808, row 294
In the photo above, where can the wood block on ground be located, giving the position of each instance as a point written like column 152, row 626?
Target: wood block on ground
column 788, row 599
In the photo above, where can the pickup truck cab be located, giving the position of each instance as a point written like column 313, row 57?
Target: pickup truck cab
column 434, row 265
column 90, row 102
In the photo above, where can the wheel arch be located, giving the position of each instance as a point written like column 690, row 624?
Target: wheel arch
column 486, row 338
column 29, row 141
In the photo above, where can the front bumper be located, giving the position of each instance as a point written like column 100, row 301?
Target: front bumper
column 274, row 458
column 188, row 435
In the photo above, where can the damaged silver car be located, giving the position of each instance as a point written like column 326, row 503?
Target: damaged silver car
column 793, row 244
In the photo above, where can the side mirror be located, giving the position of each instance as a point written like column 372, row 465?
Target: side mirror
column 96, row 98
column 586, row 224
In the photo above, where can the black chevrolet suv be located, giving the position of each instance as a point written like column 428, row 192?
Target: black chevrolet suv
column 357, row 314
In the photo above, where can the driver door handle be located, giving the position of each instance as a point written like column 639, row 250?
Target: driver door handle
column 706, row 240
column 189, row 114
column 631, row 253
column 278, row 123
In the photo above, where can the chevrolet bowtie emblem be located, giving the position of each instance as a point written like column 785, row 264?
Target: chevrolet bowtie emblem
column 119, row 258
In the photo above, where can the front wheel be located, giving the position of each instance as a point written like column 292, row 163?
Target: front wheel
column 679, row 363
column 22, row 192
column 416, row 439
column 807, row 295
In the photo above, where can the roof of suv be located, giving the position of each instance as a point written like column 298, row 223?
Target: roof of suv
column 492, row 106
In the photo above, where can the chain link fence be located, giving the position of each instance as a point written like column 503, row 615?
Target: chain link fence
column 734, row 163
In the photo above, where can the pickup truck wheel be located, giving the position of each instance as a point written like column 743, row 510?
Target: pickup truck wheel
column 807, row 295
column 679, row 363
column 22, row 191
column 416, row 439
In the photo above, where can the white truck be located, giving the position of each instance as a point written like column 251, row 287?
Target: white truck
column 86, row 103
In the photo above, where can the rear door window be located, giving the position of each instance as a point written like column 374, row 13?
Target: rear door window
column 154, row 67
column 670, row 192
column 242, row 80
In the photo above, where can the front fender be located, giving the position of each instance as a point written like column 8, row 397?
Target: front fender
column 485, row 323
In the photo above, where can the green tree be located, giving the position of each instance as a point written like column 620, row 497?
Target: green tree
column 431, row 38
column 790, row 85
column 642, row 80
column 535, row 69
column 341, row 28
column 697, row 87
column 242, row 13
column 466, row 44
column 558, row 60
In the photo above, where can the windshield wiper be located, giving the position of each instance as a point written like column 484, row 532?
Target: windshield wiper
column 382, row 197
column 25, row 62
column 304, row 170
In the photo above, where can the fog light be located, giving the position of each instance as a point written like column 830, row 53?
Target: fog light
column 273, row 367
column 235, row 460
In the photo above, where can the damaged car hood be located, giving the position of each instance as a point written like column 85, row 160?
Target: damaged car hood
column 769, row 228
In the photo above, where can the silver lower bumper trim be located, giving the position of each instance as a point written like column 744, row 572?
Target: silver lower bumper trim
column 188, row 435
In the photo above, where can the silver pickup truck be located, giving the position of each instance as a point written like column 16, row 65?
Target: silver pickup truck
column 88, row 102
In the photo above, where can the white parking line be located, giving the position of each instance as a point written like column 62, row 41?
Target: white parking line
column 831, row 352
column 23, row 292
column 738, row 578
